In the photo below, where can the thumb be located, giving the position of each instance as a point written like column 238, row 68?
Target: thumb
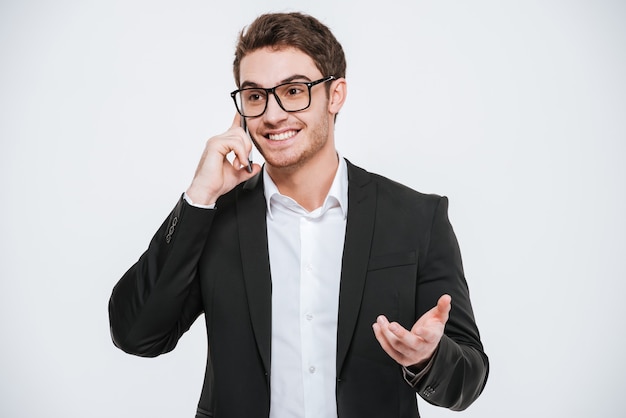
column 444, row 305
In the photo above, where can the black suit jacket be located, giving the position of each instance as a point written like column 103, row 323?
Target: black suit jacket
column 400, row 255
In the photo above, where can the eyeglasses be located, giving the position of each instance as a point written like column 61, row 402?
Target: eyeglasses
column 291, row 97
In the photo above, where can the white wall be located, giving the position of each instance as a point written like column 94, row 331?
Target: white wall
column 514, row 109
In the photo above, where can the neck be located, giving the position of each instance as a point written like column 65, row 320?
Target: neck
column 309, row 183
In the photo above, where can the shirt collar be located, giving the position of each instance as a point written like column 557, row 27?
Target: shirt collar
column 337, row 195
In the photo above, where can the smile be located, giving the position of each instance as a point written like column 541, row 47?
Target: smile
column 282, row 136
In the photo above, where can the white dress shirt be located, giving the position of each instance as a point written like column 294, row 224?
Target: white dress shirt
column 305, row 251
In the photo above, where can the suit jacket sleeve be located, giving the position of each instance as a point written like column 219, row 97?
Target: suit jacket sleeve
column 158, row 298
column 459, row 370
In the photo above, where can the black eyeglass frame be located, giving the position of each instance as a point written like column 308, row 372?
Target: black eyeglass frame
column 272, row 90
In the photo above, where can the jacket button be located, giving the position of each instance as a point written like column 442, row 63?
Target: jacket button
column 428, row 391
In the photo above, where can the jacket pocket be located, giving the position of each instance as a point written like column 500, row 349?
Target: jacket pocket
column 203, row 413
column 392, row 260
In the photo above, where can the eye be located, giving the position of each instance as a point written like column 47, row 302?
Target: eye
column 295, row 89
column 252, row 96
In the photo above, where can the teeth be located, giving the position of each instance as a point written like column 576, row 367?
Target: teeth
column 282, row 136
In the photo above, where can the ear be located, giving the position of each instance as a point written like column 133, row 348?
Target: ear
column 338, row 92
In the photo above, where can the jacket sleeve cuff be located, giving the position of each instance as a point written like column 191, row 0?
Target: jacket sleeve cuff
column 197, row 205
column 413, row 376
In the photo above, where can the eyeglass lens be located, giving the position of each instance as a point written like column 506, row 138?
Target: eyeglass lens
column 292, row 97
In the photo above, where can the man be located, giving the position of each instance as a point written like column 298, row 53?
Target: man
column 327, row 291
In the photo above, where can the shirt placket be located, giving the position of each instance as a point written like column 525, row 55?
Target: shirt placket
column 310, row 372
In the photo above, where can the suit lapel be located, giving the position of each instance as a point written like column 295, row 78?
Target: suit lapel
column 251, row 209
column 251, row 215
column 359, row 232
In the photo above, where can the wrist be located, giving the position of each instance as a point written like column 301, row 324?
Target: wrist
column 199, row 197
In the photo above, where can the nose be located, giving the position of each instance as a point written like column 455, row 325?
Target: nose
column 274, row 112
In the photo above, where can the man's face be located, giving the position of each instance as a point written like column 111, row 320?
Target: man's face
column 288, row 139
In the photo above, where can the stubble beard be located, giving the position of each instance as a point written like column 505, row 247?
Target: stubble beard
column 292, row 159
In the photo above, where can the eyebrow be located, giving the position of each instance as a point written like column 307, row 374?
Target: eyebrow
column 295, row 77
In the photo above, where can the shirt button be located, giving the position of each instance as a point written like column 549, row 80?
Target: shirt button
column 309, row 317
column 312, row 369
column 309, row 267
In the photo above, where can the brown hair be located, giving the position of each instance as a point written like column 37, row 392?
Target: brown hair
column 297, row 30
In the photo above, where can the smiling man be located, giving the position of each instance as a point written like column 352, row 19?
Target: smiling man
column 327, row 291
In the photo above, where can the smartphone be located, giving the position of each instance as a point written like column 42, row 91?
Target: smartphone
column 244, row 126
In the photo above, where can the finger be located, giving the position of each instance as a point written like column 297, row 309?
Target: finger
column 242, row 150
column 243, row 163
column 434, row 319
column 398, row 330
column 439, row 312
column 384, row 342
column 394, row 348
column 400, row 339
column 382, row 320
column 237, row 164
column 381, row 329
column 247, row 140
column 238, row 123
column 444, row 305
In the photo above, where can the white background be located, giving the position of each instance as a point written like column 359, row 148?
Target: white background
column 514, row 109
